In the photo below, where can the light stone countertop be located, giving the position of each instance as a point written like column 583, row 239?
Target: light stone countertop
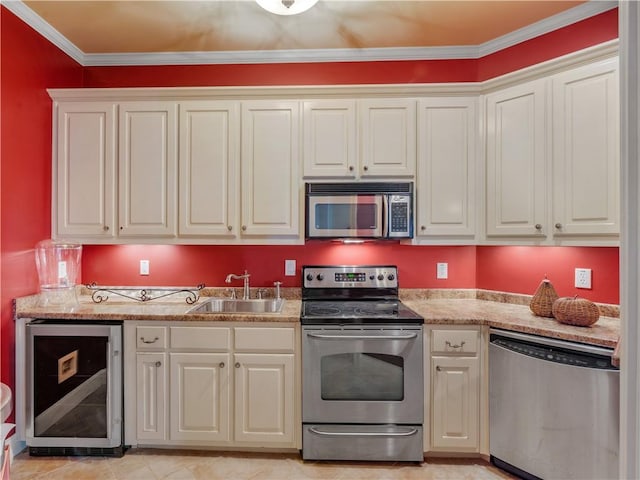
column 441, row 307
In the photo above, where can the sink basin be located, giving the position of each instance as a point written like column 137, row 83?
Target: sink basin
column 231, row 305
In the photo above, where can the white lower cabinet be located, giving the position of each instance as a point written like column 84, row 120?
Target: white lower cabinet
column 456, row 401
column 212, row 385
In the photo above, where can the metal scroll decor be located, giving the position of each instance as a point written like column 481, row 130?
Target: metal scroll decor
column 101, row 294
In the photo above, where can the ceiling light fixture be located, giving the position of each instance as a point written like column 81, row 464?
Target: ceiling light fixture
column 286, row 7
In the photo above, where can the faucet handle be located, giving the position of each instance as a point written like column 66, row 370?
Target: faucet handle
column 261, row 292
column 232, row 291
column 277, row 285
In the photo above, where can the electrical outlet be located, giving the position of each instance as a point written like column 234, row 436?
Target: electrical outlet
column 290, row 268
column 583, row 278
column 144, row 267
column 442, row 271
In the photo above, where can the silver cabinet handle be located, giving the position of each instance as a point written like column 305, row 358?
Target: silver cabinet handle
column 221, row 365
column 362, row 337
column 237, row 365
column 149, row 341
column 408, row 433
column 448, row 344
column 158, row 364
column 538, row 227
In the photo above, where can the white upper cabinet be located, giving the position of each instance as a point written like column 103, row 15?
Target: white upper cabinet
column 85, row 171
column 209, row 168
column 270, row 191
column 446, row 172
column 586, row 178
column 329, row 138
column 387, row 137
column 516, row 161
column 148, row 168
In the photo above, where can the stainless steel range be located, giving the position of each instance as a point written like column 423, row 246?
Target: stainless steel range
column 362, row 384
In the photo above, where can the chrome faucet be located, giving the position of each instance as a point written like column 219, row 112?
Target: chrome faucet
column 245, row 277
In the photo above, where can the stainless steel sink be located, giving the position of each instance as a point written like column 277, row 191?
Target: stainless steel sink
column 232, row 305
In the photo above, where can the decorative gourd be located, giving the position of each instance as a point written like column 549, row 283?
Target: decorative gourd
column 576, row 311
column 542, row 301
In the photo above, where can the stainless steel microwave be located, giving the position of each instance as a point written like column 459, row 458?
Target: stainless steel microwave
column 366, row 210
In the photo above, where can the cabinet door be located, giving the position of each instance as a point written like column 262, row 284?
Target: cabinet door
column 148, row 168
column 388, row 137
column 270, row 171
column 516, row 161
column 208, row 163
column 265, row 410
column 586, row 150
column 455, row 402
column 151, row 394
column 200, row 397
column 85, row 169
column 329, row 145
column 445, row 183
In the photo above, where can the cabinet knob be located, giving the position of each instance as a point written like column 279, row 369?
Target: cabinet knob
column 244, row 228
column 558, row 226
column 105, row 228
column 538, row 227
column 221, row 365
column 158, row 364
column 351, row 168
column 229, row 227
column 438, row 368
column 423, row 228
column 366, row 169
column 237, row 365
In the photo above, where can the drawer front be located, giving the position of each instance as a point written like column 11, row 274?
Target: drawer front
column 201, row 338
column 151, row 338
column 256, row 339
column 455, row 342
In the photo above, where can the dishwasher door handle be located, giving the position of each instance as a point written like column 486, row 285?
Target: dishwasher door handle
column 326, row 433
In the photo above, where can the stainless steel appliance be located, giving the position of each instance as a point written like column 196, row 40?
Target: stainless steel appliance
column 362, row 382
column 74, row 388
column 359, row 210
column 553, row 408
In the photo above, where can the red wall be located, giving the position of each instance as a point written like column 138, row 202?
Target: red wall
column 29, row 65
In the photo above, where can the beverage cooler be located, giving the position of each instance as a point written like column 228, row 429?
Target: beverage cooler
column 74, row 392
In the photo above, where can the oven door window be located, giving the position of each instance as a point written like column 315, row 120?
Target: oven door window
column 362, row 377
column 70, row 386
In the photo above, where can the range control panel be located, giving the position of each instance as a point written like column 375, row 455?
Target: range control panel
column 350, row 276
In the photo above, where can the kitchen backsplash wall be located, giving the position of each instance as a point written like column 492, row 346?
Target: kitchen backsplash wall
column 508, row 269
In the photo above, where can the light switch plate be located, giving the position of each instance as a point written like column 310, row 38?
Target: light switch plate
column 144, row 267
column 290, row 268
column 442, row 271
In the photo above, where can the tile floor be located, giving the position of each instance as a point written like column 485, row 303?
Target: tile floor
column 153, row 464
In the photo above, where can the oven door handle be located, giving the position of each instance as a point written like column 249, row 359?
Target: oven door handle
column 325, row 433
column 363, row 337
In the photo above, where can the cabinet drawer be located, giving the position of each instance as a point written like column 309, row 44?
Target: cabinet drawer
column 460, row 342
column 151, row 338
column 201, row 338
column 256, row 339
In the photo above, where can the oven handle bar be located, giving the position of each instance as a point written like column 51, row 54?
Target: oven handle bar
column 363, row 337
column 408, row 433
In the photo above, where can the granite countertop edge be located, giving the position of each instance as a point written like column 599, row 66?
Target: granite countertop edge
column 438, row 307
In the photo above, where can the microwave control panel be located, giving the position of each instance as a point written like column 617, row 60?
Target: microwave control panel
column 399, row 216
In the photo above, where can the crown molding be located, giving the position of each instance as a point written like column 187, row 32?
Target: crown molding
column 576, row 14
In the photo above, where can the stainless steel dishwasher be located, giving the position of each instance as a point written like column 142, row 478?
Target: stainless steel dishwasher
column 553, row 408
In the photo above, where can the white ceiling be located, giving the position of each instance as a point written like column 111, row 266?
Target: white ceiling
column 119, row 32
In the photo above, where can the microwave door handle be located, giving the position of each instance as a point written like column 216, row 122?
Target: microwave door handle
column 385, row 216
